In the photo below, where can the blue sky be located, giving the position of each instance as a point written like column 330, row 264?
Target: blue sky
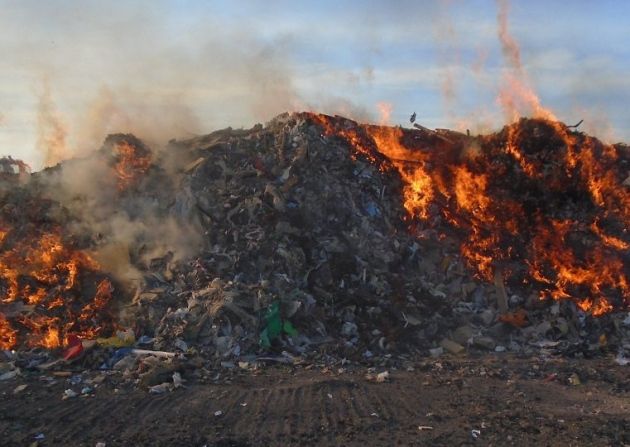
column 168, row 69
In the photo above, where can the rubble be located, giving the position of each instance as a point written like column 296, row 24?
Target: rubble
column 451, row 346
column 378, row 378
column 484, row 342
column 303, row 249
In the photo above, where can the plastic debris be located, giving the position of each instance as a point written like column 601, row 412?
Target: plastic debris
column 86, row 390
column 300, row 245
column 574, row 380
column 161, row 388
column 69, row 394
column 9, row 375
column 275, row 326
column 19, row 388
column 377, row 378
column 178, row 382
column 74, row 349
column 382, row 377
column 122, row 339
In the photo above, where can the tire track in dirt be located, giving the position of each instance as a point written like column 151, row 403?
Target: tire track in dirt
column 243, row 423
column 296, row 410
column 70, row 418
column 350, row 415
column 324, row 423
column 383, row 406
column 260, row 416
column 303, row 412
column 271, row 425
column 297, row 396
column 289, row 403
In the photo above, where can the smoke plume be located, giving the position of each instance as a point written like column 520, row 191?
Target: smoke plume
column 516, row 96
column 51, row 130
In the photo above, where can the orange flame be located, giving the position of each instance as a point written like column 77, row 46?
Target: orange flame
column 516, row 96
column 132, row 163
column 478, row 193
column 8, row 335
column 385, row 112
column 44, row 273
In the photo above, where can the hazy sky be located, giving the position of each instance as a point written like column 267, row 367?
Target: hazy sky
column 72, row 71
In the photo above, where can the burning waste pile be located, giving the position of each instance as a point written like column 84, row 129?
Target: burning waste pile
column 313, row 238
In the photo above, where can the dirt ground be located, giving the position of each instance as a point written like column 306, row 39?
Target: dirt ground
column 482, row 401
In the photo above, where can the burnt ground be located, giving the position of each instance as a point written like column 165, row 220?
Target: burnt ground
column 510, row 401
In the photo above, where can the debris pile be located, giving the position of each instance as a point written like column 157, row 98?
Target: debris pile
column 318, row 236
column 49, row 288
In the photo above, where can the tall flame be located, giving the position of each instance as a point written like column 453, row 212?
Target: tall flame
column 506, row 199
column 516, row 96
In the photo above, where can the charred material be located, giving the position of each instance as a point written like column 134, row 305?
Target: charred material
column 318, row 233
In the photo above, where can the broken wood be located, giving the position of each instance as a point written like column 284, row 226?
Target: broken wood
column 434, row 133
column 162, row 354
column 502, row 298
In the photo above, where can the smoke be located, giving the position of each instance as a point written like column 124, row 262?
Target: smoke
column 226, row 82
column 268, row 78
column 510, row 48
column 134, row 69
column 233, row 79
column 121, row 111
column 385, row 110
column 516, row 96
column 128, row 230
column 130, row 70
column 344, row 107
column 448, row 57
column 51, row 130
column 462, row 69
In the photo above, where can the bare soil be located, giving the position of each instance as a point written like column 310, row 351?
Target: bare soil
column 483, row 401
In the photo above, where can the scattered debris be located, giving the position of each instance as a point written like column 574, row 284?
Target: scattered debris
column 310, row 243
column 378, row 378
column 178, row 382
column 452, row 347
column 69, row 394
column 9, row 374
column 622, row 360
column 574, row 380
column 161, row 388
column 19, row 388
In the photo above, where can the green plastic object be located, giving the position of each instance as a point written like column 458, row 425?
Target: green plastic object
column 275, row 326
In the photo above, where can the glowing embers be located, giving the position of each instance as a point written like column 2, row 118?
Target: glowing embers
column 43, row 284
column 132, row 161
column 8, row 335
column 570, row 264
column 503, row 200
